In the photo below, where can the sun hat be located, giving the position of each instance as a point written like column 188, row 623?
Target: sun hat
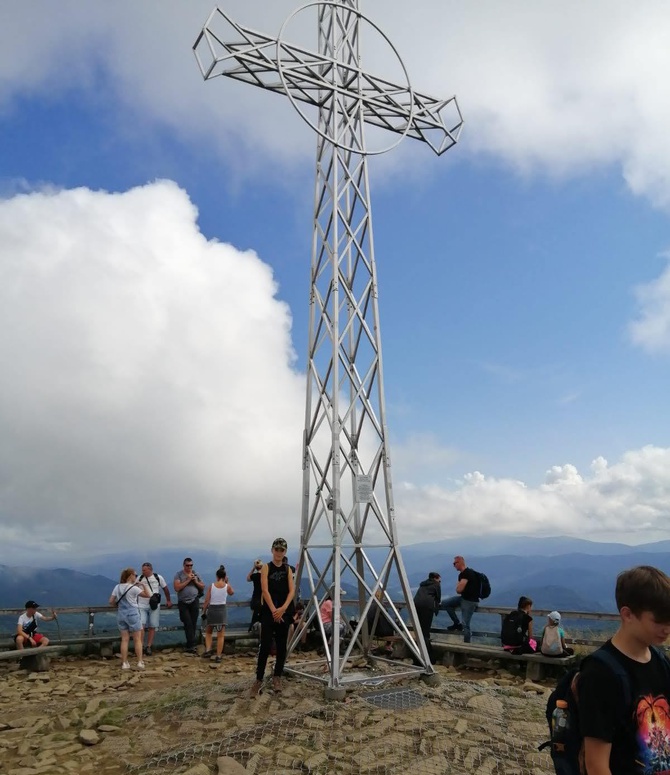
column 555, row 617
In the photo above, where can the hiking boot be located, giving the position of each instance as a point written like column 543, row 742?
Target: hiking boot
column 218, row 660
column 206, row 654
column 276, row 683
column 455, row 628
column 255, row 689
column 147, row 651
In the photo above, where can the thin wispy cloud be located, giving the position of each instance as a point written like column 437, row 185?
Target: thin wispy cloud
column 651, row 329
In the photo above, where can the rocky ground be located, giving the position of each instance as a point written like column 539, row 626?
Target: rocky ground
column 183, row 714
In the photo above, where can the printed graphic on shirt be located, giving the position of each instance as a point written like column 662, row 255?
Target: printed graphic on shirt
column 653, row 725
column 277, row 574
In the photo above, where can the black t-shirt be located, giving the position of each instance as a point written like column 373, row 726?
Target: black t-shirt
column 258, row 592
column 640, row 734
column 278, row 587
column 471, row 591
column 516, row 632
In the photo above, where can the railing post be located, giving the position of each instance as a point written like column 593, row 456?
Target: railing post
column 91, row 623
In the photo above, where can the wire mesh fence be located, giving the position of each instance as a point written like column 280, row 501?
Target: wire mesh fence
column 458, row 727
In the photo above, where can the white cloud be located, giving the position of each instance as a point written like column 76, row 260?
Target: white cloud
column 630, row 500
column 146, row 380
column 558, row 88
column 651, row 330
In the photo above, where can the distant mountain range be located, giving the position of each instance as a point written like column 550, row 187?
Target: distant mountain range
column 560, row 572
column 56, row 587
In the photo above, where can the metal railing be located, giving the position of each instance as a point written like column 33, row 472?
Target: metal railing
column 87, row 631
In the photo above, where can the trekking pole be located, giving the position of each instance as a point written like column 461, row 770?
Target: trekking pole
column 55, row 615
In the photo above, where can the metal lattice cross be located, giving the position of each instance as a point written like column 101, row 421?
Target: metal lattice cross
column 348, row 530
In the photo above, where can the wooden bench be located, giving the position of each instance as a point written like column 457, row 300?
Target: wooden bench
column 457, row 653
column 35, row 660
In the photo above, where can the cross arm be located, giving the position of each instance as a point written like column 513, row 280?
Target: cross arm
column 226, row 48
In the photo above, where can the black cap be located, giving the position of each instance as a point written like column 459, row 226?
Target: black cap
column 32, row 604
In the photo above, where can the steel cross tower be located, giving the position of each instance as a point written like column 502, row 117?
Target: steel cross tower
column 348, row 528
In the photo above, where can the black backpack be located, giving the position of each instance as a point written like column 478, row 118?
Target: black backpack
column 567, row 758
column 484, row 586
column 511, row 632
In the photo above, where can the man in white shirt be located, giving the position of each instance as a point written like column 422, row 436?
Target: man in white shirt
column 151, row 615
column 26, row 628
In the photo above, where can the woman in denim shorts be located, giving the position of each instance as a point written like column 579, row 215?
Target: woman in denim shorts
column 124, row 597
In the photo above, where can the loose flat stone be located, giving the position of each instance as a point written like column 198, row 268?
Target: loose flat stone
column 226, row 765
column 89, row 737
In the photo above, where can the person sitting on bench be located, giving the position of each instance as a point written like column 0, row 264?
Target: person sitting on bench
column 380, row 627
column 26, row 629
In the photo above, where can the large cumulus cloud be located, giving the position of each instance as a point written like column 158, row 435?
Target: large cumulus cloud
column 146, row 376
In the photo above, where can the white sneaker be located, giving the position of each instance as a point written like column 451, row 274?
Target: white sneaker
column 140, row 665
column 125, row 666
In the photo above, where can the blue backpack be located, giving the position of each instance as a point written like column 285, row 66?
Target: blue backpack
column 568, row 758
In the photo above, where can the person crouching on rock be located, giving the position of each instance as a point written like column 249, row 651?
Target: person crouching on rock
column 26, row 629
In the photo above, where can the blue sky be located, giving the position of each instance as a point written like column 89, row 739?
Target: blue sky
column 153, row 366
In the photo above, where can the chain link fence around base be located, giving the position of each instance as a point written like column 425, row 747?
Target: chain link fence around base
column 459, row 728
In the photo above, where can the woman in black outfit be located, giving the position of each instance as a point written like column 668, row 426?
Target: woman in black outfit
column 276, row 614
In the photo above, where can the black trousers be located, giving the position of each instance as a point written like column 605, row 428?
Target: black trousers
column 255, row 616
column 425, row 622
column 524, row 648
column 188, row 615
column 271, row 630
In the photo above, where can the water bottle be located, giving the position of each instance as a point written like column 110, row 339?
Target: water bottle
column 560, row 724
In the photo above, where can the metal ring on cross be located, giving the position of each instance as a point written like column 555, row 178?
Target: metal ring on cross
column 332, row 88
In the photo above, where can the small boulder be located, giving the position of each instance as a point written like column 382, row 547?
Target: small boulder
column 89, row 737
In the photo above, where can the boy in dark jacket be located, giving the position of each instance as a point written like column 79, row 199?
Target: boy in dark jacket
column 427, row 604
